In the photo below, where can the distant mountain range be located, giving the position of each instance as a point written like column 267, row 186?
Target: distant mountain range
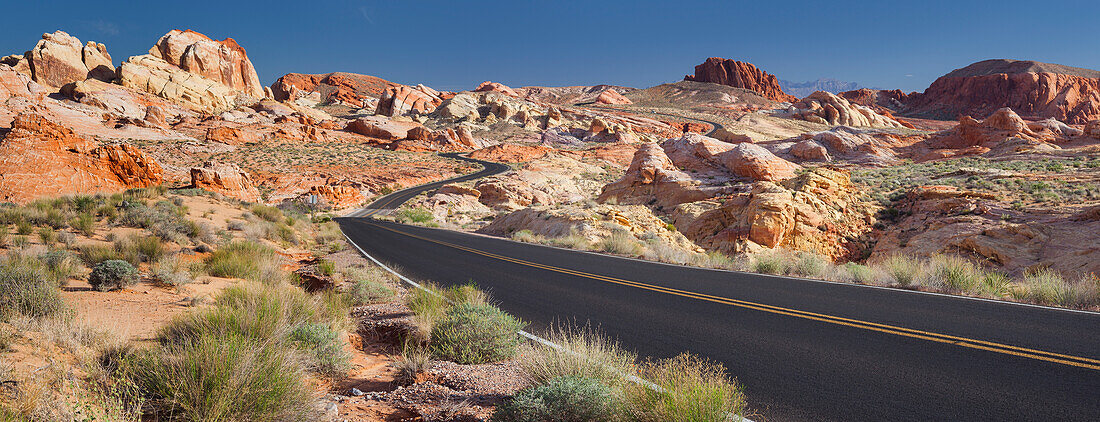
column 802, row 89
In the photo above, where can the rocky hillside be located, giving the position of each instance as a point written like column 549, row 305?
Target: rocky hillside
column 1034, row 90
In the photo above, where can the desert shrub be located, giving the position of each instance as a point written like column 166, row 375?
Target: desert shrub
column 326, row 267
column 467, row 293
column 112, row 274
column 324, row 346
column 661, row 251
column 220, row 378
column 584, row 353
column 4, row 232
column 172, row 271
column 242, row 259
column 526, row 236
column 148, row 248
column 954, row 273
column 808, row 264
column 19, row 242
column 768, row 263
column 60, row 265
column 996, row 284
column 410, row 364
column 24, row 228
column 689, row 388
column 413, row 215
column 84, row 223
column 620, row 242
column 235, row 225
column 428, row 306
column 268, row 213
column 470, row 334
column 573, row 240
column 93, row 254
column 859, row 273
column 26, row 289
column 47, row 235
column 565, row 399
column 901, row 270
column 363, row 292
column 165, row 219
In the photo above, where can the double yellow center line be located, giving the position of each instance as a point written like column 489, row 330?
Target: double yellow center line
column 1081, row 362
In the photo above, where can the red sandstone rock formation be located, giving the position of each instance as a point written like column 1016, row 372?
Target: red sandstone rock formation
column 39, row 158
column 226, row 179
column 489, row 86
column 344, row 88
column 612, row 97
column 399, row 100
column 1032, row 89
column 740, row 75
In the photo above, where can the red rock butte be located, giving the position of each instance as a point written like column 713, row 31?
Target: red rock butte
column 740, row 75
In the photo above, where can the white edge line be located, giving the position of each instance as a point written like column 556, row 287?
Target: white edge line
column 529, row 336
column 782, row 277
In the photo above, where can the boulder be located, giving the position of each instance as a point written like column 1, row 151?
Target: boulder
column 402, row 100
column 226, row 179
column 231, row 135
column 489, row 86
column 827, row 108
column 756, row 162
column 810, row 150
column 39, row 158
column 612, row 97
column 338, row 196
column 382, row 128
column 652, row 177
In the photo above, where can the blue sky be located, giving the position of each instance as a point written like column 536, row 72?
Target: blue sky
column 457, row 44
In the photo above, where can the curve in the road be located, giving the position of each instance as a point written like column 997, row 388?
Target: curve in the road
column 394, row 200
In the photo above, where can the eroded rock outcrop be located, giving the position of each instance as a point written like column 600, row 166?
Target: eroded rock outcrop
column 194, row 71
column 829, row 109
column 60, row 58
column 612, row 97
column 819, row 211
column 350, row 89
column 39, row 158
column 223, row 61
column 740, row 75
column 402, row 100
column 226, row 179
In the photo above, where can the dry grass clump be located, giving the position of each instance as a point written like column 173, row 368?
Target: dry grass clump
column 1047, row 287
column 526, row 236
column 246, row 260
column 620, row 242
column 902, row 270
column 27, row 288
column 689, row 388
column 584, row 352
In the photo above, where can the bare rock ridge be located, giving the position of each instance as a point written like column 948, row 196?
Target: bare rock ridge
column 60, row 58
column 350, row 89
column 1034, row 90
column 740, row 75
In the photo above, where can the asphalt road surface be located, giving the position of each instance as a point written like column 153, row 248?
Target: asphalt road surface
column 802, row 349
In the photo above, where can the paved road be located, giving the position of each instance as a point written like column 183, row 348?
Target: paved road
column 804, row 350
column 392, row 201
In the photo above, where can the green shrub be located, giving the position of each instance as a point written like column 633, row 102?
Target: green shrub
column 621, row 242
column 326, row 267
column 242, row 259
column 84, row 223
column 808, row 264
column 768, row 263
column 220, row 378
column 413, row 215
column 24, row 228
column 470, row 334
column 363, row 292
column 859, row 273
column 689, row 388
column 325, row 348
column 584, row 353
column 955, row 273
column 565, row 399
column 902, row 270
column 26, row 289
column 268, row 213
column 93, row 254
column 112, row 274
column 47, row 235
